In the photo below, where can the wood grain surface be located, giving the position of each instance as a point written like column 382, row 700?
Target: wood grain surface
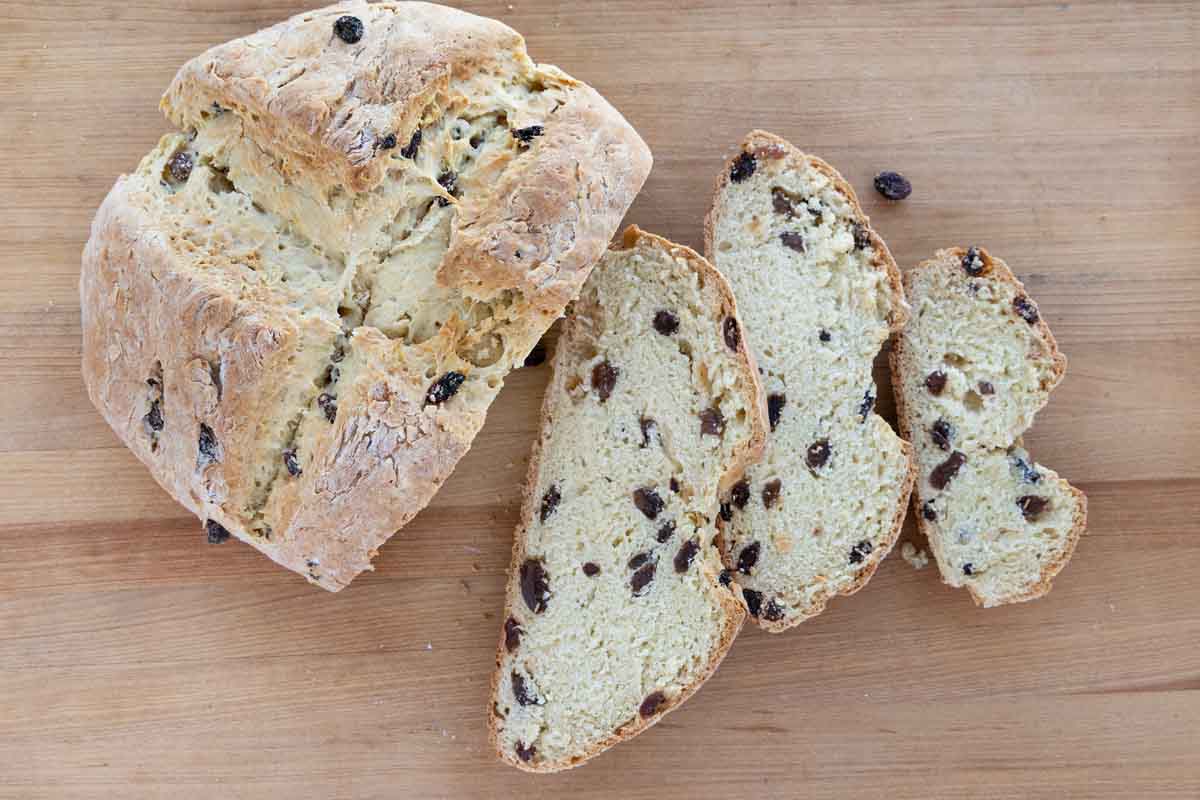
column 138, row 662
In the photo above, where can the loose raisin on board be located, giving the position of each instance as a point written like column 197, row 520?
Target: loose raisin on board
column 444, row 388
column 290, row 461
column 942, row 434
column 666, row 322
column 892, row 185
column 739, row 495
column 528, row 134
column 712, row 421
column 648, row 502
column 512, row 634
column 935, row 382
column 943, row 473
column 328, row 405
column 215, row 531
column 550, row 501
column 414, row 145
column 818, row 454
column 775, row 404
column 349, row 29
column 753, row 601
column 604, row 378
column 1025, row 309
column 651, row 704
column 748, row 558
column 792, row 241
column 743, row 167
column 535, row 585
column 687, row 552
column 591, row 569
column 1032, row 506
column 733, row 334
column 525, row 696
column 860, row 551
column 972, row 263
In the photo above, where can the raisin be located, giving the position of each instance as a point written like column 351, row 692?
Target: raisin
column 537, row 356
column 1032, row 506
column 414, row 145
column 512, row 634
column 648, row 502
column 867, row 406
column 639, row 560
column 726, row 512
column 652, row 704
column 528, row 134
column 154, row 418
column 775, row 404
column 665, row 532
column 328, row 405
column 773, row 612
column 292, row 464
column 792, row 241
column 591, row 569
column 781, row 201
column 860, row 551
column 444, row 388
column 448, row 181
column 525, row 753
column 712, row 421
column 892, row 185
column 642, row 578
column 748, row 558
column 349, row 29
column 687, row 552
column 753, row 601
column 665, row 322
column 824, row 335
column 725, row 578
column 985, row 387
column 674, row 484
column 604, row 378
column 743, row 167
column 935, row 382
column 739, row 495
column 550, row 502
column 215, row 531
column 972, row 263
column 862, row 236
column 1028, row 473
column 732, row 333
column 943, row 473
column 818, row 454
column 179, row 167
column 770, row 492
column 928, row 512
column 649, row 429
column 968, row 568
column 388, row 142
column 535, row 586
column 942, row 434
column 525, row 696
column 207, row 443
column 1025, row 309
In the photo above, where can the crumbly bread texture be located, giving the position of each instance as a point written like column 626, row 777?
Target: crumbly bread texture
column 970, row 371
column 819, row 293
column 617, row 609
column 299, row 308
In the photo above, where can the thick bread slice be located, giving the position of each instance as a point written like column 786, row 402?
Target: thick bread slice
column 974, row 365
column 298, row 310
column 819, row 293
column 615, row 610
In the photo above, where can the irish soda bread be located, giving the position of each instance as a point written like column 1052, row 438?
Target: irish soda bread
column 970, row 371
column 819, row 293
column 616, row 610
column 298, row 309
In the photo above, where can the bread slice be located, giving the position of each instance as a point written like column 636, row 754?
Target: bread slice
column 299, row 308
column 970, row 371
column 819, row 293
column 615, row 608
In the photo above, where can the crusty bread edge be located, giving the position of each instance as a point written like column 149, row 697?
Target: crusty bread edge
column 768, row 145
column 731, row 601
column 951, row 258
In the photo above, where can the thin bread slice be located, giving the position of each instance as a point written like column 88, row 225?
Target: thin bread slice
column 615, row 609
column 970, row 371
column 819, row 293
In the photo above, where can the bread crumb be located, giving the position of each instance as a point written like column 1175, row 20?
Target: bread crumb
column 918, row 559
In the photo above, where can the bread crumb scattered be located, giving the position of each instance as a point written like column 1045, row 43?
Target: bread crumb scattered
column 918, row 559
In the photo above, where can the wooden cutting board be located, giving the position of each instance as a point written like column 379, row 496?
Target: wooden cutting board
column 137, row 661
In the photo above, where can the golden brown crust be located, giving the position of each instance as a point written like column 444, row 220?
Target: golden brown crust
column 951, row 259
column 319, row 106
column 762, row 144
column 731, row 600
